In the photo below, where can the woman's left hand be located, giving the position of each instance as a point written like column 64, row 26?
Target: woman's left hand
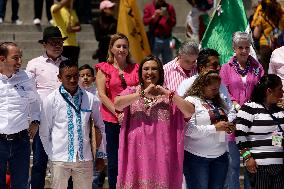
column 163, row 90
column 251, row 165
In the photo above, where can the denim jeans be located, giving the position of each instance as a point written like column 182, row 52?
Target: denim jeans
column 39, row 164
column 205, row 173
column 17, row 154
column 15, row 9
column 233, row 177
column 162, row 48
column 112, row 137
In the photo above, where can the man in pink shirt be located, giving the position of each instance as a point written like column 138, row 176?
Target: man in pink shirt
column 182, row 67
column 45, row 70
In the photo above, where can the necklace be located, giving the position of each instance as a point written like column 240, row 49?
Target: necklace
column 148, row 102
column 238, row 68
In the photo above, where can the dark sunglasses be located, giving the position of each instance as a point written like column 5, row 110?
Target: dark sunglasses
column 123, row 82
column 55, row 43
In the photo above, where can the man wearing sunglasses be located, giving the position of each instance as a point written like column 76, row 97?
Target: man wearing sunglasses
column 45, row 70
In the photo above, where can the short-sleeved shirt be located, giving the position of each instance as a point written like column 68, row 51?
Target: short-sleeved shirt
column 114, row 85
column 61, row 19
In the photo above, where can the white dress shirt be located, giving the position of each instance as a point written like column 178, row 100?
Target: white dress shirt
column 65, row 135
column 276, row 65
column 18, row 101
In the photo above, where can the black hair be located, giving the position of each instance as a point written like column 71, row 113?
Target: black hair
column 270, row 81
column 160, row 69
column 87, row 67
column 4, row 48
column 67, row 64
column 203, row 56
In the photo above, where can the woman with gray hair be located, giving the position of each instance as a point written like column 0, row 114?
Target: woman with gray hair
column 239, row 75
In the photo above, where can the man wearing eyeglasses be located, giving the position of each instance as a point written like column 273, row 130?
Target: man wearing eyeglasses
column 45, row 69
column 18, row 101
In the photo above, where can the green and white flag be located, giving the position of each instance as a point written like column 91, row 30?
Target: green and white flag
column 229, row 17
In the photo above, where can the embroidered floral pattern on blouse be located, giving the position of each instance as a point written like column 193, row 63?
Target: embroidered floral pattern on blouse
column 142, row 183
column 158, row 111
column 70, row 127
column 77, row 102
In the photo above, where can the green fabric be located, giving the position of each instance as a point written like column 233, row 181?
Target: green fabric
column 218, row 34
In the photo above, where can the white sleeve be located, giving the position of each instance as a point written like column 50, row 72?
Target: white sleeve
column 98, row 121
column 34, row 100
column 46, row 124
column 182, row 88
column 232, row 114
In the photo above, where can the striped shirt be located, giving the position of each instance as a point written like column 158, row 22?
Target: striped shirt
column 254, row 129
column 174, row 74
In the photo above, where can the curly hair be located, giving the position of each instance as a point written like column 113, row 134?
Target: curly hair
column 202, row 81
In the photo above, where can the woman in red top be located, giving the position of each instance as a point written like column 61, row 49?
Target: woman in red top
column 112, row 78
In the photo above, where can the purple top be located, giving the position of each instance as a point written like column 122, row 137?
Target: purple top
column 238, row 90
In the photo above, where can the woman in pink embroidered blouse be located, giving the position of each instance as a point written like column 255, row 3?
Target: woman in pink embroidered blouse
column 151, row 143
column 239, row 75
column 113, row 77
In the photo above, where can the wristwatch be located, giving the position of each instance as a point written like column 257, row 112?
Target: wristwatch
column 36, row 122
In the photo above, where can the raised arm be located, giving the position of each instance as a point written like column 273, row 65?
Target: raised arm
column 184, row 106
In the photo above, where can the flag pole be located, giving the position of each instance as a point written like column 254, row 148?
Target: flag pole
column 211, row 17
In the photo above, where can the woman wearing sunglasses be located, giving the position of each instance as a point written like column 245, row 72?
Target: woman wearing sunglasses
column 112, row 78
column 205, row 157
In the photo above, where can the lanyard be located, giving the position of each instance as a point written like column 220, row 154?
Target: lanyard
column 215, row 109
column 70, row 103
column 275, row 119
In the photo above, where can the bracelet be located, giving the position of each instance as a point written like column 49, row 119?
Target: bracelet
column 171, row 95
column 142, row 93
column 247, row 159
column 245, row 154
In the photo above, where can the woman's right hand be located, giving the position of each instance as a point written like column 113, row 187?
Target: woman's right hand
column 251, row 165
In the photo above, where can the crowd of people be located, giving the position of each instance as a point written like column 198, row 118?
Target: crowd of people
column 158, row 123
column 83, row 10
